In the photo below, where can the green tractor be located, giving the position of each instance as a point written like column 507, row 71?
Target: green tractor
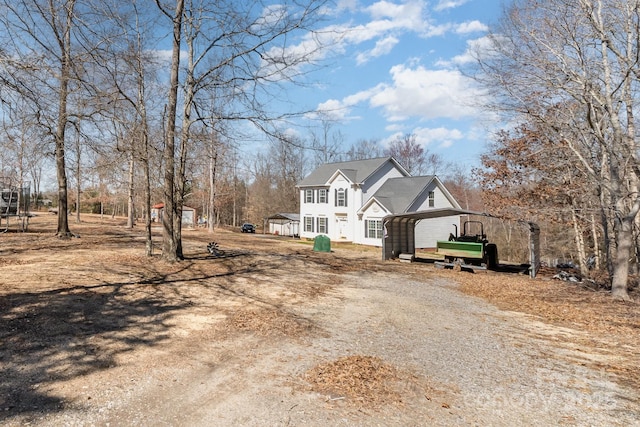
column 470, row 249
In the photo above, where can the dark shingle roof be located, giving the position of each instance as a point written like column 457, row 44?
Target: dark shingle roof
column 397, row 194
column 285, row 216
column 356, row 171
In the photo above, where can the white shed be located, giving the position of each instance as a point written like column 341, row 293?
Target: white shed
column 284, row 224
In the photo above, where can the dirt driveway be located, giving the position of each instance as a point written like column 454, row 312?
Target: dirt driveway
column 272, row 334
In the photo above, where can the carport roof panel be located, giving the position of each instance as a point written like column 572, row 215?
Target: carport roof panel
column 432, row 213
column 285, row 216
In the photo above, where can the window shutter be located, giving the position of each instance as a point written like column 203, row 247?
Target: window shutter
column 313, row 196
column 335, row 198
column 345, row 198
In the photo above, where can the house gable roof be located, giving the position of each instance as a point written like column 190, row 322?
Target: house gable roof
column 397, row 195
column 356, row 171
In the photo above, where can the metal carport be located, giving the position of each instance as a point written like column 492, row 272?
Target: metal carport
column 399, row 233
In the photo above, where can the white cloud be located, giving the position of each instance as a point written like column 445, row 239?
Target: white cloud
column 426, row 94
column 437, row 30
column 388, row 17
column 346, row 5
column 441, row 137
column 395, row 127
column 417, row 93
column 341, row 110
column 471, row 27
column 388, row 22
column 448, row 4
column 406, row 15
column 474, row 48
column 334, row 109
column 382, row 47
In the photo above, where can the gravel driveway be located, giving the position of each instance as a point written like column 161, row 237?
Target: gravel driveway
column 465, row 363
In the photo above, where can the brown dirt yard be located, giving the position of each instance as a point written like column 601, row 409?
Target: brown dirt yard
column 94, row 333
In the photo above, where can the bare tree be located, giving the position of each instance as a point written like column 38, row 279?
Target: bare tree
column 413, row 156
column 170, row 246
column 236, row 53
column 44, row 53
column 578, row 59
column 275, row 175
column 22, row 144
column 127, row 69
column 364, row 149
column 326, row 142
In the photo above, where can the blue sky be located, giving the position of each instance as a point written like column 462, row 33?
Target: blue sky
column 398, row 71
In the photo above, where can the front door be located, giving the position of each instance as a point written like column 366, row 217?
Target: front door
column 343, row 229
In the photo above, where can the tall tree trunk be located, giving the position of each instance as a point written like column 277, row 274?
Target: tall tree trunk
column 579, row 240
column 78, row 181
column 596, row 243
column 169, row 243
column 213, row 164
column 78, row 195
column 181, row 178
column 624, row 238
column 131, row 193
column 61, row 125
column 147, row 191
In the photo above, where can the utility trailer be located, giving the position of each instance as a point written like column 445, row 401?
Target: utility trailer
column 471, row 250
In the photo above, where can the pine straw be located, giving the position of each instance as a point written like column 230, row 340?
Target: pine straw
column 360, row 379
column 269, row 322
column 608, row 323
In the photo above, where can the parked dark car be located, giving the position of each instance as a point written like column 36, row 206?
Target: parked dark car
column 248, row 228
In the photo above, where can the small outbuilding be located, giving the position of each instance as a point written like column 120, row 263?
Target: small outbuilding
column 283, row 224
column 188, row 214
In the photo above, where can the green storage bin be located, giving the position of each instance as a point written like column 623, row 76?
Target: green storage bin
column 322, row 243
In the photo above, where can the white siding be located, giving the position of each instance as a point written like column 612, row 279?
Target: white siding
column 428, row 231
column 341, row 220
column 373, row 212
column 375, row 181
column 422, row 202
column 285, row 229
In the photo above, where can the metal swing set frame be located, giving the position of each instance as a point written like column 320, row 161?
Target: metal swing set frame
column 14, row 203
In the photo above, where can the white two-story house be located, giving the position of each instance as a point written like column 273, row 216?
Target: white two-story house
column 347, row 201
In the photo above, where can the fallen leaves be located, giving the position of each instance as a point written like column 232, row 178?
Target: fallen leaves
column 606, row 321
column 269, row 322
column 364, row 379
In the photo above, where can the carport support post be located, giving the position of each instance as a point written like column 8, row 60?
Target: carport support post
column 387, row 247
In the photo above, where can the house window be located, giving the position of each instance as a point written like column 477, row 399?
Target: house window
column 308, row 224
column 373, row 229
column 341, row 197
column 322, row 195
column 322, row 225
column 432, row 199
column 308, row 196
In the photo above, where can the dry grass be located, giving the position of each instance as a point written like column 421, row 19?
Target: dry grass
column 600, row 321
column 360, row 379
column 269, row 323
